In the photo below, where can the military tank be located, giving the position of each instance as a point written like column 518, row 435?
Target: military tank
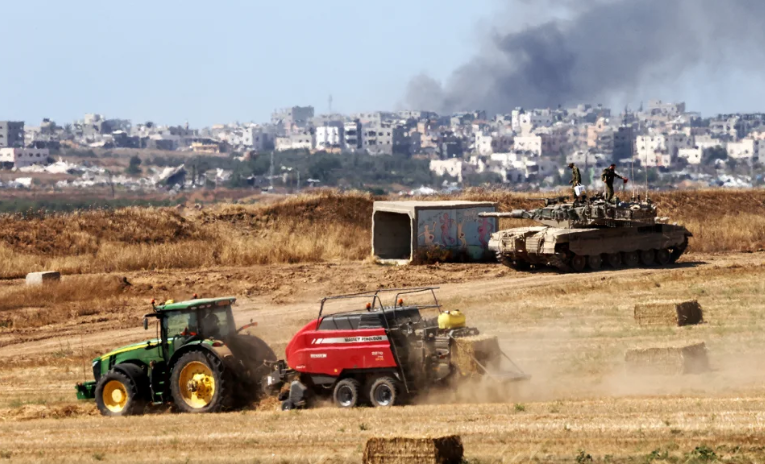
column 588, row 234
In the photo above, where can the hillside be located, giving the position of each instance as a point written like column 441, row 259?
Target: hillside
column 322, row 226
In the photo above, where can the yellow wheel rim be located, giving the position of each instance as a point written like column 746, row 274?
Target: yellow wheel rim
column 197, row 384
column 115, row 396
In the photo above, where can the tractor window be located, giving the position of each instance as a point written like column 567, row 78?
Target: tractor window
column 214, row 322
column 179, row 322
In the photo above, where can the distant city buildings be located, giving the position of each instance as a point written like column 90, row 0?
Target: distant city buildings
column 521, row 146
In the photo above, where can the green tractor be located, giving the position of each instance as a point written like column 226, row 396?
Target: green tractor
column 199, row 362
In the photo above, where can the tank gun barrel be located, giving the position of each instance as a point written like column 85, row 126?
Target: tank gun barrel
column 514, row 214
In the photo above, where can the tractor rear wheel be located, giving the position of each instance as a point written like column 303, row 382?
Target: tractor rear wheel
column 200, row 383
column 118, row 395
column 346, row 393
column 384, row 392
column 253, row 353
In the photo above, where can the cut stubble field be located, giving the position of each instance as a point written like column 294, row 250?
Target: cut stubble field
column 569, row 332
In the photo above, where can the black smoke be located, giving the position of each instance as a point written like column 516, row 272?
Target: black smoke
column 607, row 51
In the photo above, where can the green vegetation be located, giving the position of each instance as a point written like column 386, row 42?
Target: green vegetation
column 135, row 165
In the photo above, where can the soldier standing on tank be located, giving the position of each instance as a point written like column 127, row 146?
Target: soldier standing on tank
column 608, row 178
column 576, row 179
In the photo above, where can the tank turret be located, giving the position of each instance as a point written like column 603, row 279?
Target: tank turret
column 588, row 233
column 598, row 213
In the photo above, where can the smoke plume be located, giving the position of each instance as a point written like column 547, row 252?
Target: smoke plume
column 605, row 51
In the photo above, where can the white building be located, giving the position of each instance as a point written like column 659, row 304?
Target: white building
column 528, row 143
column 745, row 149
column 706, row 141
column 691, row 155
column 452, row 166
column 329, row 136
column 254, row 137
column 677, row 140
column 652, row 150
column 486, row 144
column 23, row 157
column 303, row 140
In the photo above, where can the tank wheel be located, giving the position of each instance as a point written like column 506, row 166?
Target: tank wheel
column 679, row 250
column 346, row 394
column 663, row 257
column 614, row 260
column 384, row 392
column 594, row 261
column 118, row 395
column 516, row 264
column 630, row 258
column 578, row 263
column 648, row 257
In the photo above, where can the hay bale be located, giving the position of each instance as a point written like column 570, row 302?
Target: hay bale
column 668, row 313
column 465, row 351
column 668, row 359
column 40, row 278
column 414, row 450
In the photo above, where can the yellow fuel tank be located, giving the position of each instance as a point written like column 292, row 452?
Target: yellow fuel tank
column 451, row 320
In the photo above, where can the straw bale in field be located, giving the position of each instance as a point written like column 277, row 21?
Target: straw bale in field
column 414, row 450
column 467, row 350
column 668, row 359
column 668, row 313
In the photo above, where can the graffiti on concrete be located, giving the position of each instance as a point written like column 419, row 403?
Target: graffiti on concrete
column 456, row 229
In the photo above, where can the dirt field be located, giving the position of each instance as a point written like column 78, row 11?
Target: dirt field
column 569, row 332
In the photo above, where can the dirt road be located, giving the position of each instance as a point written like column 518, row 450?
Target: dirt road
column 278, row 320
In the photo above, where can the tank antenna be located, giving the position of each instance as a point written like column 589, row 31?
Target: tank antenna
column 632, row 174
column 646, row 182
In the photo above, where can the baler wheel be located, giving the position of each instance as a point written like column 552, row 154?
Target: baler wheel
column 346, row 393
column 117, row 395
column 384, row 392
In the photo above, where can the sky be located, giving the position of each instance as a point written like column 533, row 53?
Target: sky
column 205, row 62
column 217, row 62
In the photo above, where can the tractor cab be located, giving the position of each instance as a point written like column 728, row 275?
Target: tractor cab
column 193, row 320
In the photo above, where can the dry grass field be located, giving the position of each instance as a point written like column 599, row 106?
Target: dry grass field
column 319, row 227
column 569, row 332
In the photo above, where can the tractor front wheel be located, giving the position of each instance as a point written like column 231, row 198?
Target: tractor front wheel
column 200, row 383
column 384, row 392
column 118, row 395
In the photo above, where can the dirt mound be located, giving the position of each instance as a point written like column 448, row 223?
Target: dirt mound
column 325, row 207
column 65, row 234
